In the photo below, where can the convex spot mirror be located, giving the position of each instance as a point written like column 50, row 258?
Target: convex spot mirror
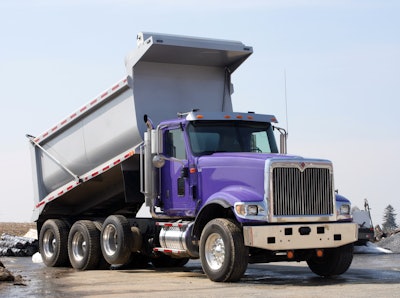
column 158, row 161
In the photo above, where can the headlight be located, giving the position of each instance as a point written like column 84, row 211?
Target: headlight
column 345, row 209
column 343, row 212
column 249, row 210
column 244, row 210
column 252, row 209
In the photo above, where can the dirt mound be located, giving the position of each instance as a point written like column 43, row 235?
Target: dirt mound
column 6, row 275
column 16, row 228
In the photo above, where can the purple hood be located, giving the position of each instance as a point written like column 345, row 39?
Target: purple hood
column 232, row 177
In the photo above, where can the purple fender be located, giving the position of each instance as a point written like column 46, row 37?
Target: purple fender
column 230, row 195
column 221, row 204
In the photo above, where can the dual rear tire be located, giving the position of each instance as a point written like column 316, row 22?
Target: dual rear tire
column 86, row 246
column 53, row 238
column 116, row 240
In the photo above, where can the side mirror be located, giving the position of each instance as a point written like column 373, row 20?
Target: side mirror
column 282, row 139
column 283, row 143
column 156, row 141
column 158, row 161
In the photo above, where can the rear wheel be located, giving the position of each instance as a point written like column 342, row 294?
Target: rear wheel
column 53, row 239
column 224, row 257
column 116, row 240
column 335, row 261
column 84, row 245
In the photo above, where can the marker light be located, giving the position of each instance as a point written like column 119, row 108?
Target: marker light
column 290, row 254
column 240, row 209
column 320, row 253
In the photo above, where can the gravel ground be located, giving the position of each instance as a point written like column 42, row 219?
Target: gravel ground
column 392, row 243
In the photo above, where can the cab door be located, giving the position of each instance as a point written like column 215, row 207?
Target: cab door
column 175, row 183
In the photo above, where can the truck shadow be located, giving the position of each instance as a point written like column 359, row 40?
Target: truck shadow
column 286, row 275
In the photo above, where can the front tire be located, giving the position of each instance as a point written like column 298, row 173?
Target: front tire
column 84, row 245
column 224, row 257
column 335, row 261
column 53, row 239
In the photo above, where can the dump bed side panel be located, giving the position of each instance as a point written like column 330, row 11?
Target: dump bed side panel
column 101, row 133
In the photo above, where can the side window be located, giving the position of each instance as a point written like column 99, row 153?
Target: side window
column 175, row 144
column 259, row 142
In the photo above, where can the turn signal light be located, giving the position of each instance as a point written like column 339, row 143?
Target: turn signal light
column 320, row 253
column 290, row 254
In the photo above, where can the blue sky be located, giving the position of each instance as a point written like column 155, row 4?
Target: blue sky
column 342, row 63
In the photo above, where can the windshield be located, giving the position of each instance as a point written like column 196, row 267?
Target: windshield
column 207, row 137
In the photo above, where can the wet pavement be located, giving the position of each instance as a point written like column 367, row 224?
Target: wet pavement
column 365, row 269
column 369, row 274
column 37, row 279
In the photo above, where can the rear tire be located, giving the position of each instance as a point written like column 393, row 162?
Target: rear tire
column 335, row 261
column 116, row 240
column 84, row 245
column 224, row 257
column 53, row 240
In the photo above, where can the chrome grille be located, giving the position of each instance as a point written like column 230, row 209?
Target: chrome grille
column 297, row 192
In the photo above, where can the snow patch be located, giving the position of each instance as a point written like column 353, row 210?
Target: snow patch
column 370, row 248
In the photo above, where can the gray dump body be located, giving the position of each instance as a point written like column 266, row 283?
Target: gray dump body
column 88, row 163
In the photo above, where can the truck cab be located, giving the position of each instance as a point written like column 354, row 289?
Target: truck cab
column 193, row 143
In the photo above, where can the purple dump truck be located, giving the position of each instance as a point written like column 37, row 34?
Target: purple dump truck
column 116, row 182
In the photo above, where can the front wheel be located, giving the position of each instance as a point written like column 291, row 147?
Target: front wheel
column 224, row 257
column 335, row 261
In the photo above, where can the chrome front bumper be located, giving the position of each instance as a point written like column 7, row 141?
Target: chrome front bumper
column 300, row 236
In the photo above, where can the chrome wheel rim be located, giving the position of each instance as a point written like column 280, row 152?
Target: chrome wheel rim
column 110, row 240
column 49, row 244
column 215, row 251
column 79, row 247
